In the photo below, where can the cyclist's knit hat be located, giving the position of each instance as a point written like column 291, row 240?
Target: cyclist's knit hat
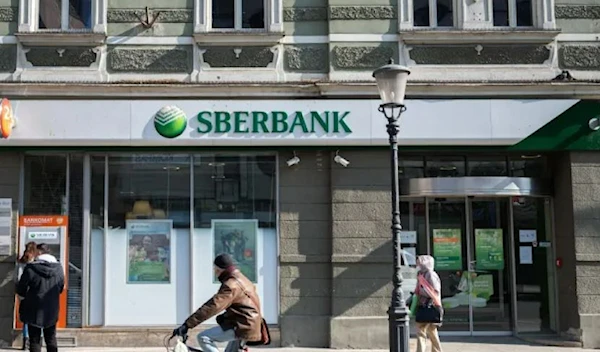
column 224, row 261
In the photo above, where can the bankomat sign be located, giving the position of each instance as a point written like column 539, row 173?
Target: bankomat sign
column 171, row 122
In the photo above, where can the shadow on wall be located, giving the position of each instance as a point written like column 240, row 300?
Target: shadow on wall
column 7, row 292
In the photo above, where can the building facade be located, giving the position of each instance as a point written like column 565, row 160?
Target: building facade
column 141, row 138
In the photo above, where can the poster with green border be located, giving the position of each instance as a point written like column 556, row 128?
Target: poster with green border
column 489, row 249
column 447, row 249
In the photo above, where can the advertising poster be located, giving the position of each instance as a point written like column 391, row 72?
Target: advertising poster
column 447, row 249
column 489, row 249
column 149, row 252
column 238, row 239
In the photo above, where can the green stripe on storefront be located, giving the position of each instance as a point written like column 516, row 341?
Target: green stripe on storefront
column 568, row 131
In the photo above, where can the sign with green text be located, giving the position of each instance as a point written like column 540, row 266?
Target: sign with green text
column 489, row 249
column 447, row 249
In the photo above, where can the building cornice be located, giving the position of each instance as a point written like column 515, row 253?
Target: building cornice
column 315, row 90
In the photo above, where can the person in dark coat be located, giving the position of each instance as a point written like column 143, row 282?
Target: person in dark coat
column 41, row 284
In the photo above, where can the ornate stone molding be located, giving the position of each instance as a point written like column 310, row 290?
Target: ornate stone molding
column 8, row 14
column 155, row 60
column 579, row 57
column 8, row 58
column 480, row 55
column 237, row 57
column 362, row 57
column 362, row 12
column 166, row 15
column 307, row 58
column 61, row 57
column 298, row 14
column 578, row 12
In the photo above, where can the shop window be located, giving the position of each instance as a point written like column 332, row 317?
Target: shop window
column 65, row 15
column 411, row 167
column 147, row 186
column 528, row 166
column 487, row 166
column 45, row 185
column 445, row 166
column 234, row 187
column 433, row 13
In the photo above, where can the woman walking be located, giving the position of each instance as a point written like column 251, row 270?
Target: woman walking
column 429, row 309
column 28, row 256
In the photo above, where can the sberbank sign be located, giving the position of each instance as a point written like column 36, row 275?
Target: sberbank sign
column 171, row 122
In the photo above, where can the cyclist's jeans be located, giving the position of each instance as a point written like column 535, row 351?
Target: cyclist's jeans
column 209, row 338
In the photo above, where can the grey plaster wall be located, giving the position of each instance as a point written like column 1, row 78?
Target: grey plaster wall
column 585, row 176
column 361, row 252
column 57, row 57
column 150, row 59
column 579, row 56
column 305, row 248
column 479, row 55
column 9, row 188
column 9, row 10
column 306, row 58
column 8, row 58
column 362, row 56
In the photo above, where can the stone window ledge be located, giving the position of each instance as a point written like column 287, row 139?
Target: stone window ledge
column 86, row 39
column 512, row 36
column 239, row 38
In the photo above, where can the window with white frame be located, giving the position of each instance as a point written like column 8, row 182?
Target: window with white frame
column 433, row 13
column 65, row 14
column 513, row 13
column 78, row 16
column 476, row 14
column 239, row 16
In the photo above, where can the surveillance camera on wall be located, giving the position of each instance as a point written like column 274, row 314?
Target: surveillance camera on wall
column 338, row 159
column 293, row 161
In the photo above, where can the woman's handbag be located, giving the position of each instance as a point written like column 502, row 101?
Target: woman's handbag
column 265, row 334
column 429, row 314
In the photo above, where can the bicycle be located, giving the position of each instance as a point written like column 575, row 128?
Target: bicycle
column 183, row 339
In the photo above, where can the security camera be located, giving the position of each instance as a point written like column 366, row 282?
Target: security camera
column 338, row 159
column 293, row 161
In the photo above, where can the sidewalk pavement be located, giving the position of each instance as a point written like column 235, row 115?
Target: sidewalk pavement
column 488, row 344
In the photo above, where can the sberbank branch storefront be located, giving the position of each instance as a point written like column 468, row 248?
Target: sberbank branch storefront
column 137, row 197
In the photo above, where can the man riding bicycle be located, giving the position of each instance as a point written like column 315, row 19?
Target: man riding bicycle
column 241, row 321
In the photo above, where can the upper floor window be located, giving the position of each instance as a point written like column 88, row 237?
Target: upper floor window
column 513, row 13
column 65, row 15
column 473, row 15
column 248, row 16
column 433, row 13
column 238, row 14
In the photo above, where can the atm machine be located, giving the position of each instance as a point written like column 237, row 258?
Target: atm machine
column 51, row 230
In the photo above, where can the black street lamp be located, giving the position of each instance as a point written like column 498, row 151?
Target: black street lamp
column 391, row 82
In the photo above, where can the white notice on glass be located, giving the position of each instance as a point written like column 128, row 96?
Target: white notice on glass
column 408, row 237
column 5, row 226
column 527, row 236
column 525, row 255
column 410, row 256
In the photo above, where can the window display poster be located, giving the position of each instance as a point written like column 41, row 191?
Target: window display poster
column 525, row 255
column 149, row 255
column 5, row 226
column 489, row 249
column 447, row 249
column 238, row 239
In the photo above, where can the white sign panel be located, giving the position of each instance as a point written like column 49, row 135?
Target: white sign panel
column 526, row 255
column 42, row 235
column 527, row 236
column 275, row 122
column 408, row 237
column 5, row 226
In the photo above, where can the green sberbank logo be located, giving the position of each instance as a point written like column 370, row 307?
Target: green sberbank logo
column 170, row 122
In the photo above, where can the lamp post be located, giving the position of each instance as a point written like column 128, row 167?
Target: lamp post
column 391, row 82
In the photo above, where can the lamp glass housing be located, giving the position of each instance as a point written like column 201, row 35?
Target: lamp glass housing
column 391, row 83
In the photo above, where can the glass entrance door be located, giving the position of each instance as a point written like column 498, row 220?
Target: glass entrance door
column 469, row 238
column 489, row 274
